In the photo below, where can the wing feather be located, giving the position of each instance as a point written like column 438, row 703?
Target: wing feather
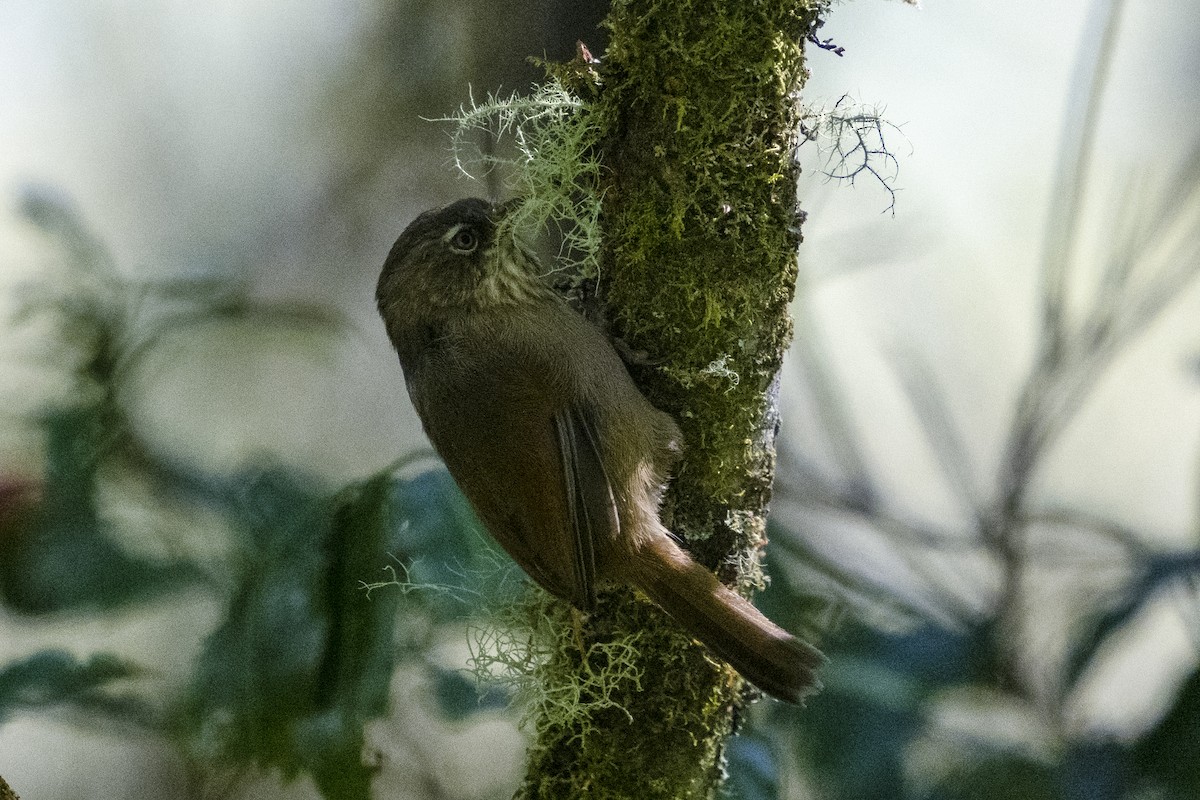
column 528, row 459
column 591, row 505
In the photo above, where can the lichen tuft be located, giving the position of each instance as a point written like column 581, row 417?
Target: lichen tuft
column 537, row 651
column 543, row 148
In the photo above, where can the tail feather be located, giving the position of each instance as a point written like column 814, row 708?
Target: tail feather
column 728, row 624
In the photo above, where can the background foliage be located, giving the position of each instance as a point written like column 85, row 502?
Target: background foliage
column 973, row 640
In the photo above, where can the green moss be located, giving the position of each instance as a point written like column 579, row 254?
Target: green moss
column 563, row 674
column 647, row 744
column 699, row 212
column 586, row 687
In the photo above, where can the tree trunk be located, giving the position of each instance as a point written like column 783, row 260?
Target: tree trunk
column 700, row 228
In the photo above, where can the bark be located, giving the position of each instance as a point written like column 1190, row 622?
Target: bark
column 700, row 222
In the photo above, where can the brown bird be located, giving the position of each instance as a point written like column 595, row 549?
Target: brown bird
column 562, row 458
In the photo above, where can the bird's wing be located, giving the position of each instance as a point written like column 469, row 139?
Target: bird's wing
column 527, row 455
column 591, row 507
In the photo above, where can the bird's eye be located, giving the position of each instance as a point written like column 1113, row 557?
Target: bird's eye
column 464, row 241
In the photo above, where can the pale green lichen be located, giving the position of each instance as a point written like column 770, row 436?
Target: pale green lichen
column 648, row 743
column 750, row 527
column 543, row 146
column 525, row 653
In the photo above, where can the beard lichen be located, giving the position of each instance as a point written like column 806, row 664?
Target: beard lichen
column 587, row 691
column 543, row 149
column 537, row 651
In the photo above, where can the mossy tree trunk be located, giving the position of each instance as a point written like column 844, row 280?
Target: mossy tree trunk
column 698, row 267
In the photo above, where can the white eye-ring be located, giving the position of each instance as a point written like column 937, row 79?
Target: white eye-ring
column 463, row 240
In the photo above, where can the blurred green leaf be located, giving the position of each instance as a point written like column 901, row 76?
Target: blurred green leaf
column 307, row 317
column 1000, row 778
column 270, row 673
column 357, row 666
column 855, row 734
column 279, row 684
column 53, row 212
column 752, row 768
column 1168, row 757
column 450, row 564
column 783, row 600
column 55, row 677
column 305, row 656
column 856, row 744
column 458, row 695
column 1095, row 771
column 64, row 558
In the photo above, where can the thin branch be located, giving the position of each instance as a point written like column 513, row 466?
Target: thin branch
column 828, row 499
column 1122, row 535
column 1084, row 96
column 948, row 443
column 854, row 139
column 830, row 405
column 865, row 587
column 1030, row 432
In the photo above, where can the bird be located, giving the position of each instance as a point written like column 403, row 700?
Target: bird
column 561, row 456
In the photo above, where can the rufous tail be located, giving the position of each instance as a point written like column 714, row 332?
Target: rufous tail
column 727, row 624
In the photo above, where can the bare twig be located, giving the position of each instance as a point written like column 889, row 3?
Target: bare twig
column 1078, row 142
column 854, row 139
